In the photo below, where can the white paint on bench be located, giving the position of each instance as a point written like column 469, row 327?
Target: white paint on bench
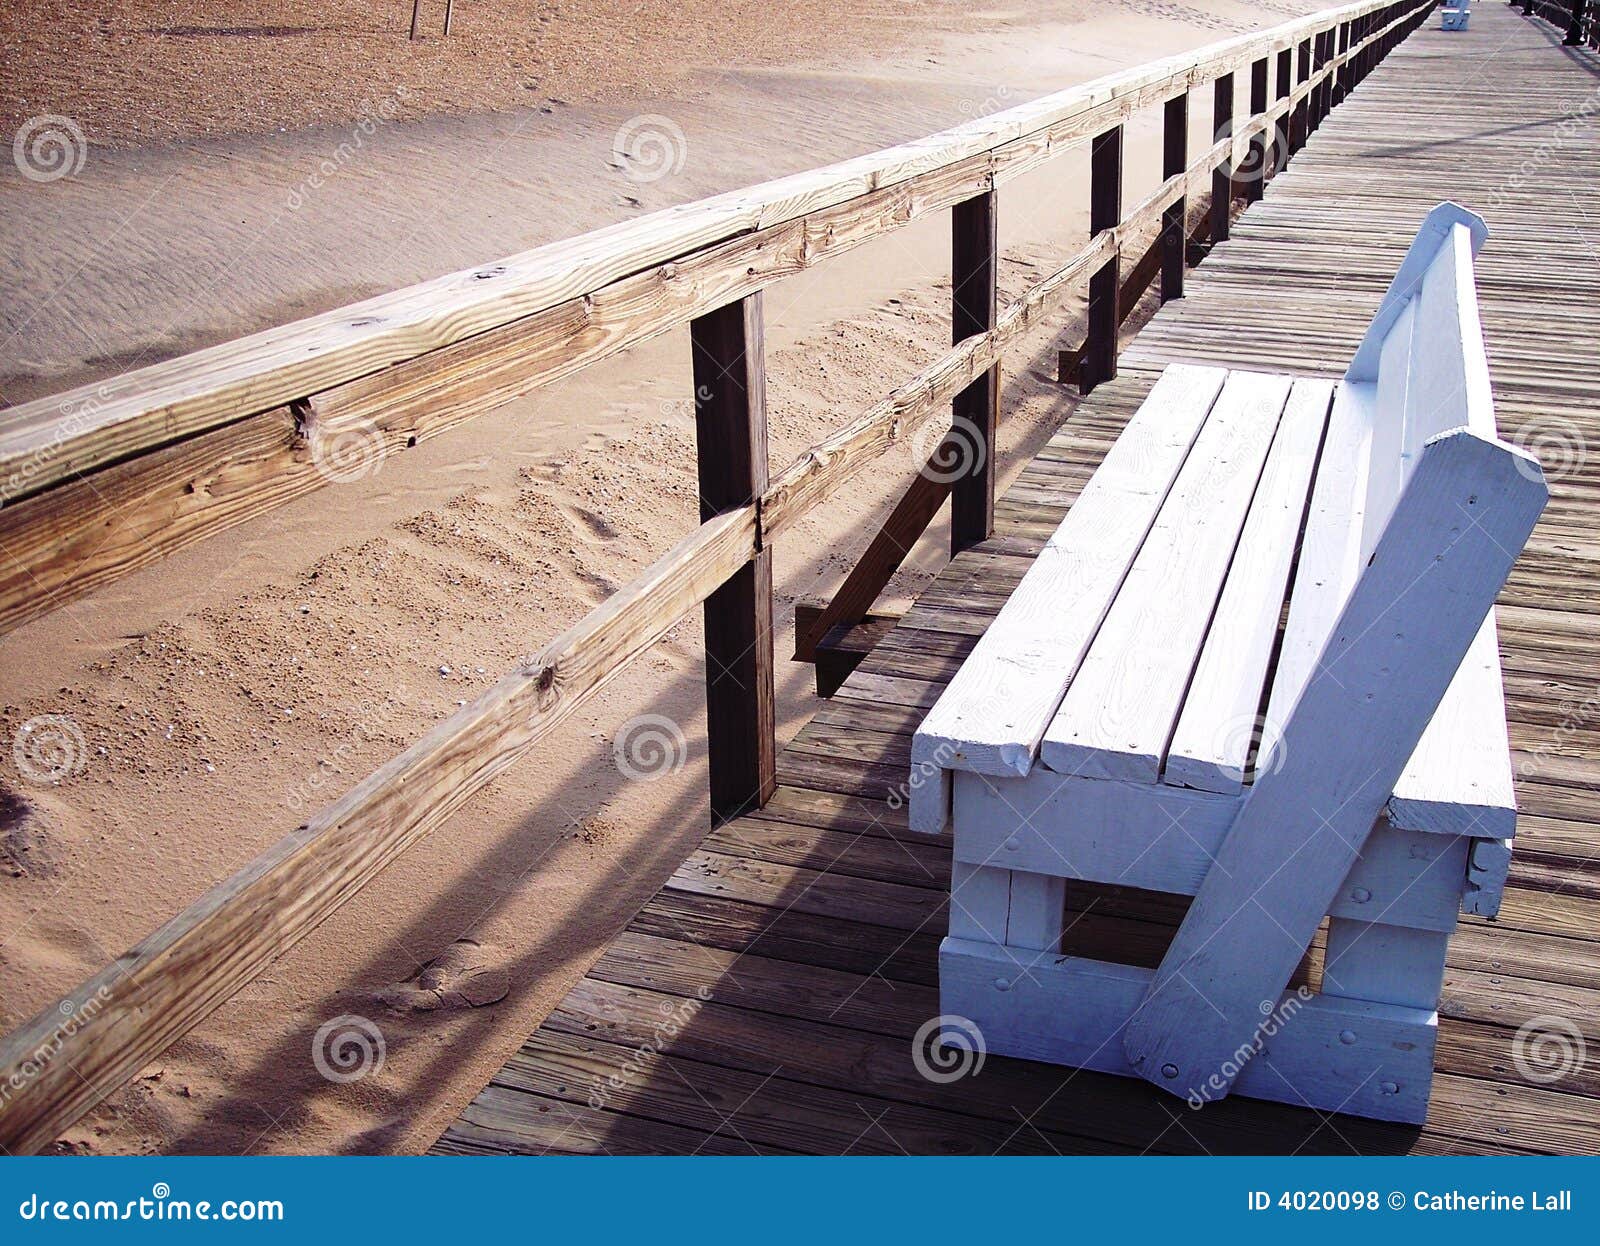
column 1211, row 747
column 1120, row 709
column 1466, row 512
column 1384, row 964
column 1336, row 1055
column 993, row 714
column 1161, row 838
column 1459, row 779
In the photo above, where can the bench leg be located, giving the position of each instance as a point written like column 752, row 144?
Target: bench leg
column 1037, row 905
column 1384, row 964
column 990, row 905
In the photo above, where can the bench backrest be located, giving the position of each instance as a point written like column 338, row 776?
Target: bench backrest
column 1424, row 355
column 1420, row 370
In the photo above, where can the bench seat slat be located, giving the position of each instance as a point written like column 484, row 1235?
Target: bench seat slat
column 1120, row 709
column 993, row 714
column 1210, row 749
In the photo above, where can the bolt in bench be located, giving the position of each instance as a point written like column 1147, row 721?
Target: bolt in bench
column 1256, row 665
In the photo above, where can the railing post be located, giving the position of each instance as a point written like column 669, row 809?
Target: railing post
column 1324, row 83
column 730, row 400
column 1222, row 176
column 1280, row 127
column 1105, row 212
column 1575, row 28
column 975, row 411
column 1259, row 147
column 1175, row 220
column 1341, row 77
column 1314, row 94
column 1302, row 110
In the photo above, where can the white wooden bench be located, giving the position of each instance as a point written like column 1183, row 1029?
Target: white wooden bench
column 1141, row 714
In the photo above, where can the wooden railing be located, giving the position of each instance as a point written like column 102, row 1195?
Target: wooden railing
column 108, row 478
column 1579, row 19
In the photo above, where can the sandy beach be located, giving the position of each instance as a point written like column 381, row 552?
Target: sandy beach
column 224, row 694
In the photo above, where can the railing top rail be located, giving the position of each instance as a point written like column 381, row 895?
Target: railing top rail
column 51, row 439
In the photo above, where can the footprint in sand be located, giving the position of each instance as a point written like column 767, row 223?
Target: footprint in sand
column 464, row 975
column 590, row 526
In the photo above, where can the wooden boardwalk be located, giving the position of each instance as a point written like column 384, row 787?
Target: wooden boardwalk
column 767, row 998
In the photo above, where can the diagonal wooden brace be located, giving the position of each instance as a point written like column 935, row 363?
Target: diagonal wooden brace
column 1462, row 519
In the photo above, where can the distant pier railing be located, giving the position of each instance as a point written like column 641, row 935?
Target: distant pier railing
column 111, row 477
column 1580, row 19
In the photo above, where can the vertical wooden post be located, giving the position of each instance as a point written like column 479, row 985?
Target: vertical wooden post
column 730, row 400
column 1260, row 150
column 1105, row 212
column 1575, row 27
column 1302, row 110
column 1222, row 176
column 1175, row 220
column 416, row 15
column 1319, row 62
column 974, row 272
column 449, row 12
column 1281, row 125
column 1341, row 77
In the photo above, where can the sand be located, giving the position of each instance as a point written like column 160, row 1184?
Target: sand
column 222, row 695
